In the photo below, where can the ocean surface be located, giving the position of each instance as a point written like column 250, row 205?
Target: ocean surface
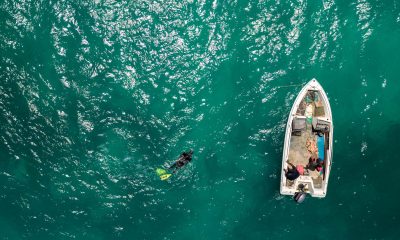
column 95, row 95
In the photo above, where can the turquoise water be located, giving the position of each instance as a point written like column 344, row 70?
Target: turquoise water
column 94, row 95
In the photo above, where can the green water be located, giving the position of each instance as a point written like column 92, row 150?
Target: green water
column 94, row 95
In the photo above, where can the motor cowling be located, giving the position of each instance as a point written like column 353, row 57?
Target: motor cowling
column 299, row 197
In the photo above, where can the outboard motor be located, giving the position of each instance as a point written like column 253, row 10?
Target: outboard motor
column 300, row 196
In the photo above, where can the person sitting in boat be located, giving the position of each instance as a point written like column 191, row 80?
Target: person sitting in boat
column 312, row 163
column 183, row 159
column 292, row 173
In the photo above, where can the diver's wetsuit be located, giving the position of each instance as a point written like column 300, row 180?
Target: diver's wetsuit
column 292, row 173
column 184, row 159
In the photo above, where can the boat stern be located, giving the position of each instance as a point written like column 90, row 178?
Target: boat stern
column 302, row 183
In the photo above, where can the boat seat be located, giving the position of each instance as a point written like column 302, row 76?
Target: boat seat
column 320, row 124
column 298, row 125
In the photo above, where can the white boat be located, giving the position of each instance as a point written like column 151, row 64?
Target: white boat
column 309, row 133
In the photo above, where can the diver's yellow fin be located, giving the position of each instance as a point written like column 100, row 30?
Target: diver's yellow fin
column 165, row 176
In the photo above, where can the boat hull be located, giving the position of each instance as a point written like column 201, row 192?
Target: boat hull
column 309, row 118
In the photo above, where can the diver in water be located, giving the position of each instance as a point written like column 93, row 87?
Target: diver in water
column 183, row 159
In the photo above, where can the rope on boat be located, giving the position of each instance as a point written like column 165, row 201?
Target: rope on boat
column 292, row 85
